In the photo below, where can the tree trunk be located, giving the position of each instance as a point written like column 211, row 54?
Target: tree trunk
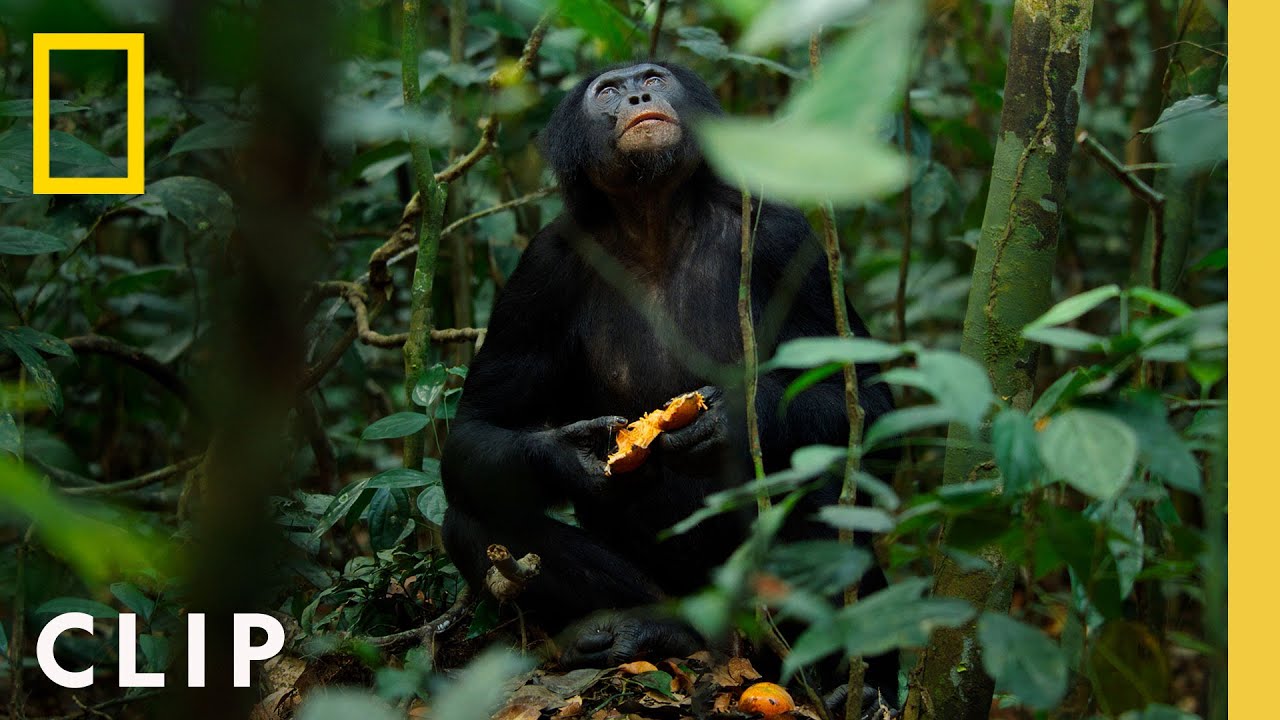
column 1195, row 67
column 1012, row 276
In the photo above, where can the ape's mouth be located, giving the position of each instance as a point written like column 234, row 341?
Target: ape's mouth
column 649, row 116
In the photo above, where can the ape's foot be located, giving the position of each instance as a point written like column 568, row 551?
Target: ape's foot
column 615, row 637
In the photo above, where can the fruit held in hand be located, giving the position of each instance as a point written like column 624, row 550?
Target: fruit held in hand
column 634, row 439
column 766, row 699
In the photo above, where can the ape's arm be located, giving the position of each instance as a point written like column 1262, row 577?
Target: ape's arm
column 503, row 454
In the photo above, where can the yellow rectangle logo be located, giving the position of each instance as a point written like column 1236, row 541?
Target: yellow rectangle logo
column 134, row 181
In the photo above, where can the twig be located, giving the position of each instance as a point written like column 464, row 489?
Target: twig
column 853, row 409
column 313, row 427
column 315, row 373
column 17, row 701
column 87, row 710
column 904, row 264
column 441, row 624
column 746, row 322
column 656, row 31
column 1154, row 199
column 156, row 370
column 141, row 481
column 451, row 227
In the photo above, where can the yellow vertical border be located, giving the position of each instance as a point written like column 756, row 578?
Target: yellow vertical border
column 1253, row 480
column 134, row 182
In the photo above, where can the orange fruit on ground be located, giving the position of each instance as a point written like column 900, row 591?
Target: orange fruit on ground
column 766, row 699
column 634, row 440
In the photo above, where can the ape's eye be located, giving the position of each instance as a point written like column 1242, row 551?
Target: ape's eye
column 653, row 81
column 606, row 91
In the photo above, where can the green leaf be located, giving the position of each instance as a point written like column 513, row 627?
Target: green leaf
column 603, row 21
column 1074, row 307
column 336, row 704
column 787, row 21
column 202, row 206
column 1160, row 447
column 901, row 422
column 799, row 163
column 892, row 618
column 398, row 425
column 1192, row 134
column 134, row 599
column 389, row 520
column 26, row 108
column 44, row 342
column 811, row 352
column 342, row 504
column 432, row 504
column 864, row 76
column 1093, row 451
column 400, row 479
column 1062, row 390
column 820, row 566
column 656, row 680
column 21, row 241
column 1022, row 660
column 1064, row 337
column 36, row 366
column 430, row 387
column 480, row 688
column 58, row 606
column 959, row 384
column 215, row 135
column 69, row 156
column 1014, row 444
column 861, row 519
column 1162, row 300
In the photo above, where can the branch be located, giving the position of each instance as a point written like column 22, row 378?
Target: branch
column 441, row 624
column 746, row 323
column 129, row 355
column 1154, row 199
column 657, row 29
column 853, row 406
column 141, row 481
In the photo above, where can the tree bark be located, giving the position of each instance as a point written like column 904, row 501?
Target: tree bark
column 1012, row 275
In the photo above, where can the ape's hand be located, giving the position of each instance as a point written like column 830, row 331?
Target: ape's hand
column 580, row 448
column 614, row 637
column 703, row 440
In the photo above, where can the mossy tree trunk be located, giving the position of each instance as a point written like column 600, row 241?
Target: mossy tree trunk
column 1012, row 275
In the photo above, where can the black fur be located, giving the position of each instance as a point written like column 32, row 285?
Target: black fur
column 565, row 345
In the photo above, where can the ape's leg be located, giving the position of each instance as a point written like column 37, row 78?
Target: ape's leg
column 579, row 575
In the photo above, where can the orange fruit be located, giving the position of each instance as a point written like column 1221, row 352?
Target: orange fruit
column 766, row 699
column 634, row 440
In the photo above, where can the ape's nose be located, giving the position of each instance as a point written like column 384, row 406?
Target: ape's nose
column 638, row 98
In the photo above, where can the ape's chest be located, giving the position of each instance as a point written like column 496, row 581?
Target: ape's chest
column 641, row 348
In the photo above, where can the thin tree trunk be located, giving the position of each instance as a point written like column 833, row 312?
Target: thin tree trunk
column 1195, row 67
column 1011, row 281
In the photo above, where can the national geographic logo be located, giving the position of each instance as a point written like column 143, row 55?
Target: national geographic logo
column 134, row 182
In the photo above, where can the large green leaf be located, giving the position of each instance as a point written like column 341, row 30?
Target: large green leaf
column 199, row 204
column 1073, row 307
column 58, row 606
column 397, row 425
column 1022, row 660
column 1014, row 444
column 788, row 21
column 215, row 135
column 892, row 618
column 601, row 20
column 1093, row 451
column 811, row 352
column 21, row 241
column 802, row 163
column 1192, row 134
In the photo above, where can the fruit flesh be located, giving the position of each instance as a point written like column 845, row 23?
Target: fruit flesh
column 633, row 440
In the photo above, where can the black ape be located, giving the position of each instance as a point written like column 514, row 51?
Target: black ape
column 568, row 356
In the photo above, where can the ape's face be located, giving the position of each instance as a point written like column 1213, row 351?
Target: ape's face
column 638, row 104
column 637, row 118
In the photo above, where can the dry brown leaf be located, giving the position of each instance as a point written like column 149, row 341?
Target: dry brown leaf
column 571, row 709
column 519, row 711
column 637, row 667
